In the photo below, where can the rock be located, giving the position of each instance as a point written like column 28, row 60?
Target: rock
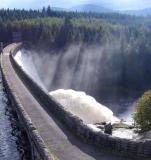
column 108, row 128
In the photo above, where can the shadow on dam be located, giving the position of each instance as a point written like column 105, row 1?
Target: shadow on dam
column 107, row 77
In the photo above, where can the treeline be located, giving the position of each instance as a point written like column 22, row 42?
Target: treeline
column 127, row 39
column 59, row 31
column 49, row 25
column 17, row 14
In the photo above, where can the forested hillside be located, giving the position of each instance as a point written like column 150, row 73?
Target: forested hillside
column 126, row 40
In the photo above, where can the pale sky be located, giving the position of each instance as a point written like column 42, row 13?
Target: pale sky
column 114, row 4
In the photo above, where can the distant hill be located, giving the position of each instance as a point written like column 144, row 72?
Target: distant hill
column 58, row 9
column 90, row 8
column 143, row 12
column 102, row 9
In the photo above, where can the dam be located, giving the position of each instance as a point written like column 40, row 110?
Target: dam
column 48, row 136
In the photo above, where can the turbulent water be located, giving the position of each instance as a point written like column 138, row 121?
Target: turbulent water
column 11, row 142
column 55, row 71
column 84, row 106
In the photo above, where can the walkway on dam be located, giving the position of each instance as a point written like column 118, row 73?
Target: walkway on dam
column 58, row 139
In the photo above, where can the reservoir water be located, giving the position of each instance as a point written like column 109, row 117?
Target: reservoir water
column 12, row 144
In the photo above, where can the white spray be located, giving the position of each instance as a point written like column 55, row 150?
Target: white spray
column 83, row 106
column 24, row 59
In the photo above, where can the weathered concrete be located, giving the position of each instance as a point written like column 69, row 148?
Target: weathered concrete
column 49, row 138
column 131, row 148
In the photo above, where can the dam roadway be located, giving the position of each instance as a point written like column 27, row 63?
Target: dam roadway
column 61, row 144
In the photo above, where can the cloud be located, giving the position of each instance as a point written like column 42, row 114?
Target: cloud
column 115, row 4
column 4, row 4
column 131, row 4
column 24, row 3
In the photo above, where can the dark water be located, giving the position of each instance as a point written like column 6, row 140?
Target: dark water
column 12, row 144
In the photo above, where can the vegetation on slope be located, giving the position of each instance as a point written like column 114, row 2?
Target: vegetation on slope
column 142, row 116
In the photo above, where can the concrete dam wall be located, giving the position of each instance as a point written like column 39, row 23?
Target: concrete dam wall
column 123, row 146
column 38, row 148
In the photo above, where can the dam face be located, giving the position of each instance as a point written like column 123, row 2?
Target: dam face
column 81, row 71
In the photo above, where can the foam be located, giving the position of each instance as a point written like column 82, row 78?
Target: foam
column 83, row 106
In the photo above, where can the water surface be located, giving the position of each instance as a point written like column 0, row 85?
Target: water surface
column 12, row 143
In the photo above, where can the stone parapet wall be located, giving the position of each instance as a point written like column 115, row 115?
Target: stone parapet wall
column 38, row 149
column 130, row 148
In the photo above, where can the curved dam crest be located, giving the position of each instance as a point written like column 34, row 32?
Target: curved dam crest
column 76, row 126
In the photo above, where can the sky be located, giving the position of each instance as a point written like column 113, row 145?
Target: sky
column 112, row 4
